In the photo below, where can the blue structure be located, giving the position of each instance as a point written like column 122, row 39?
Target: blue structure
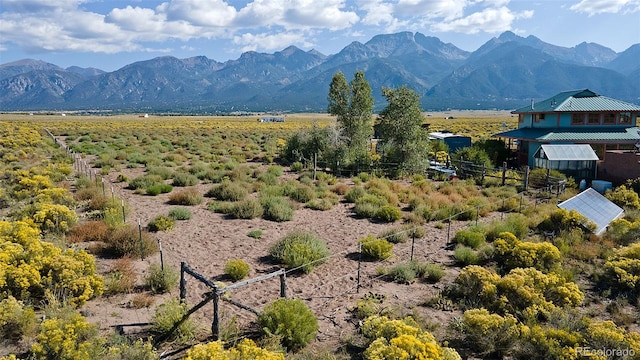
column 574, row 117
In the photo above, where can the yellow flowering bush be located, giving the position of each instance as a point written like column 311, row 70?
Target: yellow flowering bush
column 512, row 253
column 489, row 333
column 526, row 293
column 402, row 339
column 546, row 343
column 246, row 349
column 622, row 271
column 54, row 218
column 30, row 267
column 67, row 337
column 606, row 335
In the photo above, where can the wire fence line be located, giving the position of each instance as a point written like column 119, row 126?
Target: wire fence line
column 402, row 252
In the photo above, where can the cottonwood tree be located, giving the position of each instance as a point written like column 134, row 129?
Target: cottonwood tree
column 352, row 104
column 401, row 133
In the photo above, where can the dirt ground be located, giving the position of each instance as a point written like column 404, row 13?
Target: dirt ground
column 208, row 240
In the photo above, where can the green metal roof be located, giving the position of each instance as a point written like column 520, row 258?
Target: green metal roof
column 577, row 101
column 610, row 134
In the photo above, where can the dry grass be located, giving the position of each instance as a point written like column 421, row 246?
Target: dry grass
column 88, row 231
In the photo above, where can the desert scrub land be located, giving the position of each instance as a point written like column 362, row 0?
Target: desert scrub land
column 377, row 266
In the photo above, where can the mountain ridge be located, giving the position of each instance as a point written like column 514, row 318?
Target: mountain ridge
column 501, row 74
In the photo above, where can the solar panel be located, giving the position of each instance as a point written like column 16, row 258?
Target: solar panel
column 595, row 207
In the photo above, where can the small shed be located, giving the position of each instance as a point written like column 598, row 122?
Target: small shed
column 576, row 160
column 454, row 141
column 595, row 207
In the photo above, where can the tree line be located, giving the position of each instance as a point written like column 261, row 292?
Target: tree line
column 396, row 136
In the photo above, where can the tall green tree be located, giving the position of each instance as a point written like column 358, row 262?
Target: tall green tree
column 401, row 131
column 352, row 104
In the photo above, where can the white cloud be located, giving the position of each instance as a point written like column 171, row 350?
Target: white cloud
column 379, row 13
column 215, row 13
column 296, row 14
column 432, row 9
column 66, row 25
column 323, row 14
column 270, row 42
column 594, row 7
column 489, row 20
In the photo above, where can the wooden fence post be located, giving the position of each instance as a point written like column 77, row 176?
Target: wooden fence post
column 413, row 241
column 504, row 173
column 526, row 177
column 183, row 282
column 215, row 325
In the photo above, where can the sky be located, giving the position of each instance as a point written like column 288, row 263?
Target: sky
column 109, row 34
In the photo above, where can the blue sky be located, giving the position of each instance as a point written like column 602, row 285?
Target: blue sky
column 108, row 34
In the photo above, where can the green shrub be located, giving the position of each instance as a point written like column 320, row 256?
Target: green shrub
column 159, row 281
column 322, row 204
column 256, row 234
column 369, row 305
column 302, row 193
column 300, row 249
column 228, row 191
column 164, row 172
column 157, row 189
column 277, row 208
column 297, row 166
column 517, row 224
column 366, row 210
column 275, row 170
column 388, row 213
column 470, row 238
column 402, row 273
column 465, row 255
column 354, row 194
column 167, row 315
column 376, row 249
column 16, row 320
column 161, row 223
column 433, row 272
column 180, row 213
column 182, row 179
column 291, row 320
column 186, row 197
column 145, row 181
column 236, row 269
column 395, row 235
column 246, row 209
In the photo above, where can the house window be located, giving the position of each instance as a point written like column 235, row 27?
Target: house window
column 541, row 116
column 520, row 118
column 609, row 118
column 593, row 119
column 625, row 118
column 577, row 119
column 536, row 118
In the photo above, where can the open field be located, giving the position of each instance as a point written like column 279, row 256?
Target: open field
column 227, row 161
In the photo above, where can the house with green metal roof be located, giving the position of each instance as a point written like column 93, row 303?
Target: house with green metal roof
column 574, row 117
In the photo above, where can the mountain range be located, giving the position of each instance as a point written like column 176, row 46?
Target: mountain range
column 504, row 73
